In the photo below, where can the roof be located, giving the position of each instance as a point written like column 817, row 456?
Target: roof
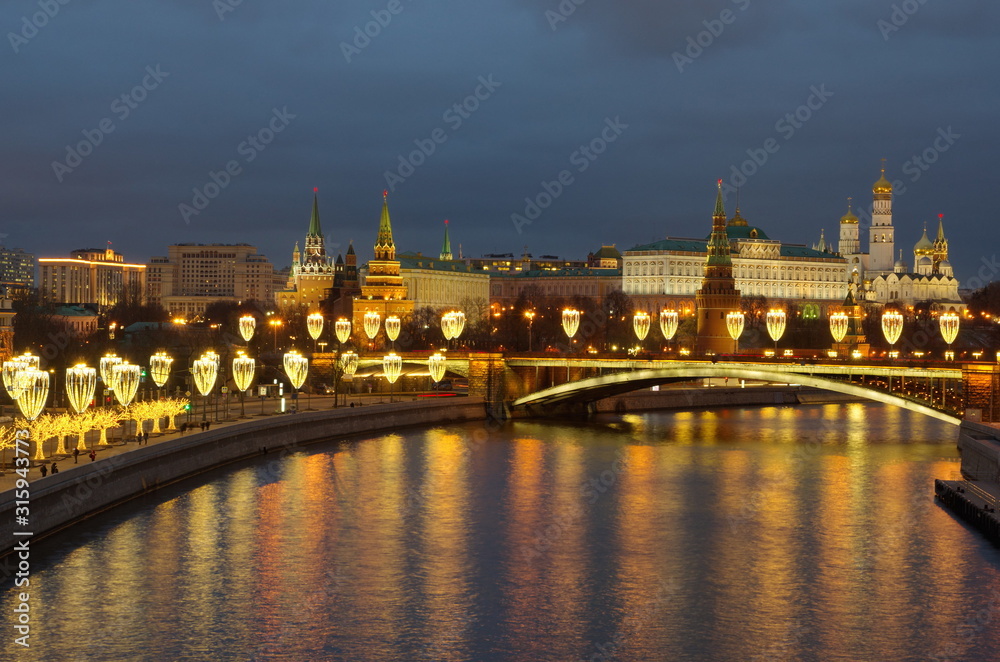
column 557, row 273
column 795, row 250
column 680, row 245
column 74, row 311
column 609, row 252
column 410, row 260
column 746, row 232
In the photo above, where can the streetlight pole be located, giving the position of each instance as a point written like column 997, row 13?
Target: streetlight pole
column 530, row 314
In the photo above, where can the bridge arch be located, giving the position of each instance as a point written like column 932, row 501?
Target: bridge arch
column 595, row 388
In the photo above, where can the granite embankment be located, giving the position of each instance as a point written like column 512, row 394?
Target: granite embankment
column 82, row 490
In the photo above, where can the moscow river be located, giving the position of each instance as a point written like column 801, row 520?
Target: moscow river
column 773, row 533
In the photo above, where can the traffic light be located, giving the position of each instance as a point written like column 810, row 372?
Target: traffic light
column 187, row 407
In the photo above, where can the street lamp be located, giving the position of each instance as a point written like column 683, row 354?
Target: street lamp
column 892, row 328
column 392, row 327
column 669, row 319
column 297, row 368
column 776, row 326
column 248, row 323
column 436, row 366
column 108, row 362
column 349, row 364
column 392, row 365
column 275, row 323
column 159, row 368
column 125, row 378
column 530, row 315
column 205, row 371
column 81, row 381
column 372, row 323
column 314, row 325
column 570, row 322
column 839, row 323
column 10, row 371
column 459, row 317
column 243, row 371
column 949, row 331
column 343, row 329
column 640, row 324
column 734, row 323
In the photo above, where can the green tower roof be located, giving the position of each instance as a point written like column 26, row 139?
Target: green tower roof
column 385, row 226
column 314, row 229
column 446, row 246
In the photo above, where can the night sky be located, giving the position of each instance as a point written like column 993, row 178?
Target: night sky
column 671, row 107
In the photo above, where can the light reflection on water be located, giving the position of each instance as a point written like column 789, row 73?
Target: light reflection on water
column 798, row 533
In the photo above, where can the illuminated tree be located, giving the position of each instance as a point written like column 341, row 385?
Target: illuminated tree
column 173, row 408
column 6, row 441
column 104, row 418
column 62, row 426
column 40, row 429
column 83, row 424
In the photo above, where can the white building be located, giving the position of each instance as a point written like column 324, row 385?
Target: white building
column 667, row 273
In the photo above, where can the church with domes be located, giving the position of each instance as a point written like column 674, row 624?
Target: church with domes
column 883, row 277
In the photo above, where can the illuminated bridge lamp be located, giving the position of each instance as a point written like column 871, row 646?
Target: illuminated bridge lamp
column 373, row 321
column 570, row 322
column 349, row 363
column 125, row 377
column 248, row 324
column 640, row 324
column 448, row 324
column 949, row 331
column 29, row 359
column 108, row 362
column 392, row 327
column 314, row 324
column 81, row 381
column 459, row 317
column 392, row 365
column 734, row 323
column 296, row 367
column 669, row 320
column 436, row 366
column 776, row 320
column 10, row 371
column 159, row 368
column 892, row 328
column 213, row 356
column 839, row 322
column 342, row 327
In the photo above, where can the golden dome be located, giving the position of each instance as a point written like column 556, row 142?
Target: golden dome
column 849, row 217
column 883, row 185
column 924, row 245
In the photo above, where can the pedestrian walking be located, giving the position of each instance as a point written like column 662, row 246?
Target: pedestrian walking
column 76, row 456
column 55, row 468
column 44, row 470
column 208, row 425
column 93, row 455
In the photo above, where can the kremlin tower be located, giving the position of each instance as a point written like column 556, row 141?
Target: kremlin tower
column 718, row 295
column 881, row 245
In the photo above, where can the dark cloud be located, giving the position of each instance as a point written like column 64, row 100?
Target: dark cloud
column 557, row 88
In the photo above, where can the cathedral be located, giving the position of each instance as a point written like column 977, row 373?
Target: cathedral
column 883, row 277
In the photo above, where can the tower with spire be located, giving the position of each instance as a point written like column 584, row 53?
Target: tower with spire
column 940, row 254
column 312, row 274
column 718, row 295
column 383, row 290
column 882, row 244
column 446, row 246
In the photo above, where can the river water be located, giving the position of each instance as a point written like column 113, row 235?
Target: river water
column 774, row 533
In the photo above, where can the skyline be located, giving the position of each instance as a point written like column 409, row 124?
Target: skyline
column 642, row 109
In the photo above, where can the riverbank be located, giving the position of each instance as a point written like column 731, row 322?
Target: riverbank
column 128, row 471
